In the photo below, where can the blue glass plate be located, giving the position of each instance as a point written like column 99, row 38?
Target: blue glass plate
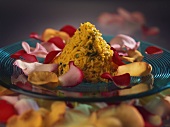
column 87, row 92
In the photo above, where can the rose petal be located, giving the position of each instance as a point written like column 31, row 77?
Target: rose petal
column 10, row 99
column 18, row 54
column 24, row 105
column 26, row 86
column 28, row 58
column 124, row 41
column 125, row 14
column 73, row 77
column 50, row 56
column 150, row 31
column 138, row 17
column 71, row 94
column 7, row 111
column 116, row 59
column 35, row 36
column 28, row 68
column 39, row 50
column 121, row 81
column 58, row 41
column 151, row 120
column 47, row 67
column 110, row 18
column 110, row 93
column 50, row 46
column 68, row 29
column 153, row 50
column 20, row 78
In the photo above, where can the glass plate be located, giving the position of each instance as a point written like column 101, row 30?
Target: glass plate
column 86, row 92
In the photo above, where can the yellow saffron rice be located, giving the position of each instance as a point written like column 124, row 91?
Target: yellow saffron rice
column 89, row 51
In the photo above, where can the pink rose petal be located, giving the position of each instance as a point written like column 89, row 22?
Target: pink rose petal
column 124, row 41
column 39, row 50
column 138, row 17
column 121, row 81
column 20, row 78
column 110, row 18
column 125, row 14
column 10, row 99
column 24, row 105
column 73, row 77
column 27, row 68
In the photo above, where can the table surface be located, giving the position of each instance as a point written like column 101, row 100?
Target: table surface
column 18, row 19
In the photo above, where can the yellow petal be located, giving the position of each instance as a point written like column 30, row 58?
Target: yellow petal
column 58, row 110
column 135, row 69
column 28, row 119
column 42, row 77
column 50, row 33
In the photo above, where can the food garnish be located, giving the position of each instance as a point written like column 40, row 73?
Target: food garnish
column 7, row 112
column 70, row 59
column 153, row 50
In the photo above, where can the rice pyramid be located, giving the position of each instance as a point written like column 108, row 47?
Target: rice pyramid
column 89, row 51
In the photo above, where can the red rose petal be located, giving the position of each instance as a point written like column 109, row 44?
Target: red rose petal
column 50, row 56
column 151, row 120
column 18, row 54
column 116, row 59
column 26, row 86
column 57, row 41
column 35, row 36
column 69, row 29
column 109, row 94
column 21, row 54
column 6, row 111
column 153, row 50
column 28, row 58
column 121, row 81
column 150, row 31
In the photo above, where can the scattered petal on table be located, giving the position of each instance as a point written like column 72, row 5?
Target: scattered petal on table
column 7, row 110
column 10, row 99
column 24, row 105
column 124, row 41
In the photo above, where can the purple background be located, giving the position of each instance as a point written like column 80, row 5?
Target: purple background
column 19, row 18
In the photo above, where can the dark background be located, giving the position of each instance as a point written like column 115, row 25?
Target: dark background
column 18, row 18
